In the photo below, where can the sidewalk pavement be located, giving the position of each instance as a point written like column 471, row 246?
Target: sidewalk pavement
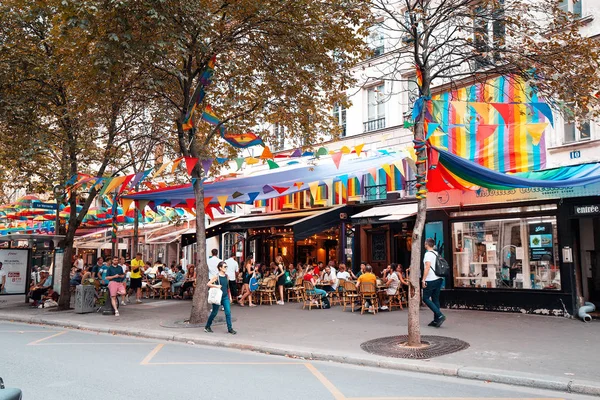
column 529, row 350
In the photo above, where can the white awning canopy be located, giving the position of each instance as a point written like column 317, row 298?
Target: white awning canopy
column 394, row 212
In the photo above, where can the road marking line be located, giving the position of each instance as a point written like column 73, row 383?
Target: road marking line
column 151, row 355
column 220, row 363
column 449, row 398
column 44, row 331
column 91, row 343
column 46, row 338
column 337, row 395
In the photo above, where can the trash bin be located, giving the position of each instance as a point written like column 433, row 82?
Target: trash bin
column 85, row 299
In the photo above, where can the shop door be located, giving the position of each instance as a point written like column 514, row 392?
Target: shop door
column 378, row 250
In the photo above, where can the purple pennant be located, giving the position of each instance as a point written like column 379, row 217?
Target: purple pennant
column 206, row 165
column 297, row 153
column 267, row 189
column 175, row 202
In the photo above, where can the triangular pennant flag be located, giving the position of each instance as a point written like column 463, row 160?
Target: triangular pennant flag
column 400, row 167
column 206, row 165
column 267, row 189
column 358, row 148
column 297, row 153
column 460, row 108
column 344, row 180
column 190, row 163
column 175, row 202
column 176, row 164
column 141, row 204
column 536, row 131
column 221, row 160
column 440, row 107
column 546, row 110
column 482, row 109
column 345, row 150
column 337, row 157
column 299, row 184
column 251, row 160
column 431, row 127
column 222, row 200
column 266, row 154
column 505, row 110
column 280, row 189
column 209, row 211
column 239, row 161
column 237, row 194
column 313, row 187
column 160, row 202
column 207, row 201
column 161, row 169
column 307, row 154
column 126, row 181
column 485, row 131
column 116, row 181
column 272, row 164
column 252, row 196
column 191, row 203
column 153, row 207
column 140, row 177
column 373, row 172
column 387, row 169
column 322, row 151
column 126, row 205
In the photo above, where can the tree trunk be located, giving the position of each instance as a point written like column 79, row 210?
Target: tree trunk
column 200, row 307
column 64, row 301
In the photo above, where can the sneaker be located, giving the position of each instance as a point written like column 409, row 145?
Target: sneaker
column 281, row 303
column 440, row 321
column 207, row 329
column 231, row 331
column 222, row 308
column 123, row 303
column 384, row 308
column 371, row 310
column 432, row 323
column 138, row 301
column 116, row 313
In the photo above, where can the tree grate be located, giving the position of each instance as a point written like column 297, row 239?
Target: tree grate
column 392, row 346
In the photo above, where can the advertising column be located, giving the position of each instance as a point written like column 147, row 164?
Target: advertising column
column 14, row 270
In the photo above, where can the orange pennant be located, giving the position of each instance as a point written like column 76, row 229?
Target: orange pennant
column 266, row 154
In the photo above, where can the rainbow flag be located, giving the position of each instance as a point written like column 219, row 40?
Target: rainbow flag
column 242, row 140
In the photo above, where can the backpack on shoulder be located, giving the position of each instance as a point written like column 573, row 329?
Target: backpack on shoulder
column 442, row 268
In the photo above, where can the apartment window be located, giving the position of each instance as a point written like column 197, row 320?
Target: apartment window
column 577, row 132
column 376, row 40
column 339, row 113
column 572, row 6
column 279, row 133
column 489, row 32
column 375, row 108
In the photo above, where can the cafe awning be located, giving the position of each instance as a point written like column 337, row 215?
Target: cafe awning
column 318, row 222
column 269, row 220
column 215, row 228
column 395, row 212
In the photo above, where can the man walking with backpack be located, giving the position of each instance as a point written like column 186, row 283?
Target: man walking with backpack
column 432, row 284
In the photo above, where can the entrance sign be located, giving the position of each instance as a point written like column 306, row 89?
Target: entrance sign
column 14, row 267
column 593, row 209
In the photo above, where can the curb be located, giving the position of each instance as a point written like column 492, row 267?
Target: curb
column 472, row 373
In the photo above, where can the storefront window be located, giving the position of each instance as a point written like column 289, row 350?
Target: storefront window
column 519, row 253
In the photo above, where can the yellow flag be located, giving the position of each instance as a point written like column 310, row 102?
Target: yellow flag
column 251, row 160
column 222, row 200
column 387, row 169
column 176, row 164
column 117, row 181
column 345, row 150
column 400, row 168
column 161, row 169
column 126, row 204
column 313, row 186
column 358, row 148
column 460, row 107
column 536, row 131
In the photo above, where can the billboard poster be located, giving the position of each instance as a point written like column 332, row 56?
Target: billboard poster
column 540, row 242
column 14, row 270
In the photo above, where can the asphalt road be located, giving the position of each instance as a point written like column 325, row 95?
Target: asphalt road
column 51, row 363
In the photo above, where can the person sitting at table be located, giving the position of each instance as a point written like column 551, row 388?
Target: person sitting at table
column 50, row 299
column 310, row 277
column 392, row 281
column 190, row 279
column 76, row 279
column 369, row 277
column 177, row 281
column 402, row 275
column 343, row 273
column 329, row 280
column 318, row 271
column 363, row 266
column 37, row 291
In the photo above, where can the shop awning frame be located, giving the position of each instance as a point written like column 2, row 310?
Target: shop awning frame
column 392, row 212
column 217, row 228
column 269, row 219
column 318, row 222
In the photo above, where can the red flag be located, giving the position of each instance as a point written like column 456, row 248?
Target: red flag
column 190, row 163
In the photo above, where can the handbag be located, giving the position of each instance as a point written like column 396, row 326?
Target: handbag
column 215, row 295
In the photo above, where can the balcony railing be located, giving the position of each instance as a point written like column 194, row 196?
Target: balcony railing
column 374, row 124
column 375, row 193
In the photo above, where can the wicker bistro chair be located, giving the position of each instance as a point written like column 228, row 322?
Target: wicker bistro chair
column 165, row 289
column 311, row 298
column 295, row 293
column 351, row 295
column 267, row 292
column 336, row 296
column 396, row 299
column 368, row 292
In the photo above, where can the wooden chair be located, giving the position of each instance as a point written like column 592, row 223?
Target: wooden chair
column 368, row 292
column 294, row 292
column 337, row 296
column 310, row 296
column 395, row 300
column 165, row 289
column 267, row 291
column 351, row 295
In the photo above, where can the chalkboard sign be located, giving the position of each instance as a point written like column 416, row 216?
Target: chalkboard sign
column 541, row 242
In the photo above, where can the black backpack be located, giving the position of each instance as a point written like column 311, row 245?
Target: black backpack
column 442, row 268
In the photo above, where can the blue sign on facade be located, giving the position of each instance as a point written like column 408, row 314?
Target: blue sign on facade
column 575, row 154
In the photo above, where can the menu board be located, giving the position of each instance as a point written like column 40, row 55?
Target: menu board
column 14, row 268
column 540, row 242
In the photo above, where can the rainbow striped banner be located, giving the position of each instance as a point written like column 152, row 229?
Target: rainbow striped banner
column 499, row 125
